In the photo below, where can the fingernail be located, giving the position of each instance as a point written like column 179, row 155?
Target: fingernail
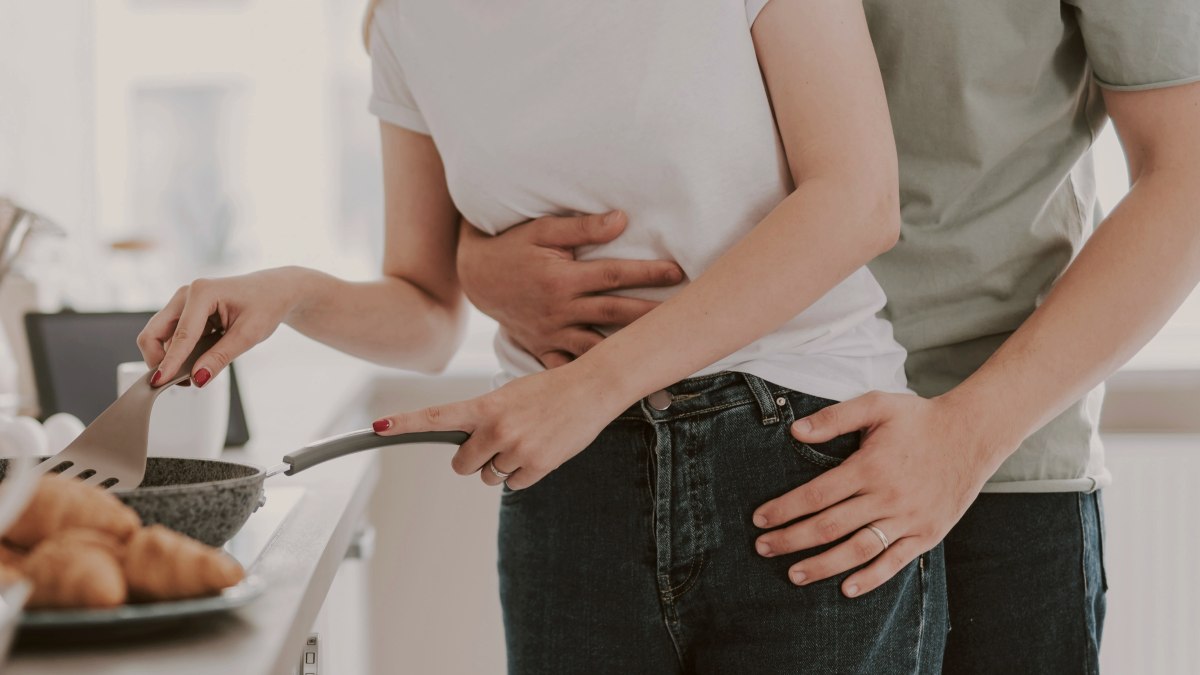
column 155, row 378
column 202, row 377
column 802, row 426
column 381, row 426
column 612, row 218
column 763, row 548
column 760, row 520
column 851, row 591
column 798, row 577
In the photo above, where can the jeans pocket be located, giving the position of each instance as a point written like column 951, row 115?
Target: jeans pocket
column 825, row 455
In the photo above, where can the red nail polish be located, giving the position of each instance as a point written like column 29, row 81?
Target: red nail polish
column 381, row 426
column 202, row 377
column 155, row 378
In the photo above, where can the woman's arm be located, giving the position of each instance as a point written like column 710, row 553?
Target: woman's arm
column 412, row 317
column 828, row 98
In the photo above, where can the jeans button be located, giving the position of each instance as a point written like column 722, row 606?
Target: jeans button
column 660, row 400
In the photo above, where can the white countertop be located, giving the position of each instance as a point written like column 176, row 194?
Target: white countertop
column 292, row 389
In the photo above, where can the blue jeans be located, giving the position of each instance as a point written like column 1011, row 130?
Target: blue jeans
column 1026, row 583
column 637, row 555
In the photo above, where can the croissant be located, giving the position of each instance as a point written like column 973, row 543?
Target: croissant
column 76, row 568
column 161, row 564
column 59, row 504
column 11, row 557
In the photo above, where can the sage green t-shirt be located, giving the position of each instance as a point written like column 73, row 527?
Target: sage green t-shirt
column 995, row 105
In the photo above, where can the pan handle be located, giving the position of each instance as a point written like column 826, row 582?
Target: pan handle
column 364, row 439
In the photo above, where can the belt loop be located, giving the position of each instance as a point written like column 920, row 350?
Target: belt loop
column 762, row 396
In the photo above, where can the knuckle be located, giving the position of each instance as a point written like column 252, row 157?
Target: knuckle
column 828, row 530
column 895, row 561
column 502, row 432
column 433, row 414
column 811, row 497
column 610, row 277
column 219, row 357
column 486, row 407
column 864, row 550
column 550, row 284
column 180, row 335
column 610, row 312
column 584, row 226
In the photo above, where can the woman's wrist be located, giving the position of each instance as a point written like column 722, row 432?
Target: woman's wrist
column 617, row 381
column 298, row 287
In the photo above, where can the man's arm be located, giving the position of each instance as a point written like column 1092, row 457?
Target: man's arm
column 529, row 281
column 924, row 461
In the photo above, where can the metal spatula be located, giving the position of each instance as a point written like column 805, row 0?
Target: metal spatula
column 111, row 451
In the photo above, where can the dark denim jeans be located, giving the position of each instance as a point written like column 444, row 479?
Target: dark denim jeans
column 1026, row 583
column 637, row 555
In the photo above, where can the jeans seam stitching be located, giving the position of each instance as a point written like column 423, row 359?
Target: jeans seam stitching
column 921, row 622
column 712, row 409
column 693, row 576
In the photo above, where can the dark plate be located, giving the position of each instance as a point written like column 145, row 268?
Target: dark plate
column 89, row 625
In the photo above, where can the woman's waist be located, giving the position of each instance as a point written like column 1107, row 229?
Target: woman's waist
column 833, row 361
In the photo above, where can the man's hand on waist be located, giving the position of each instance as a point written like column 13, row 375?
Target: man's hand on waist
column 921, row 464
column 528, row 279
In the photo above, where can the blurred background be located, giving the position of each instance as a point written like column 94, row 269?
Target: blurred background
column 171, row 139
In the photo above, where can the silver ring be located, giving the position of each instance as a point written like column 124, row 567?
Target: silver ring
column 882, row 537
column 500, row 474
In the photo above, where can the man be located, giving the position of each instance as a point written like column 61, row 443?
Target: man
column 1012, row 309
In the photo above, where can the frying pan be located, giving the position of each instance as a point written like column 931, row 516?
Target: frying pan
column 210, row 500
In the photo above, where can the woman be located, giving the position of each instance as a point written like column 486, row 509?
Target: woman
column 741, row 139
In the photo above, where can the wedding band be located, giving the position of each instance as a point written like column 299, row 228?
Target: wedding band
column 504, row 476
column 878, row 533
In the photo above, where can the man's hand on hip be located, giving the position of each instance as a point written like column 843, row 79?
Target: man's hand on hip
column 921, row 464
column 529, row 281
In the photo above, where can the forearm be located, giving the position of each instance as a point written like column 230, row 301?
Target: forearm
column 814, row 239
column 390, row 321
column 1125, row 284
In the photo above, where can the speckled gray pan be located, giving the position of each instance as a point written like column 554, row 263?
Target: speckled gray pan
column 204, row 499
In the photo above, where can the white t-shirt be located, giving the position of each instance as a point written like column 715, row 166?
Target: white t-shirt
column 557, row 107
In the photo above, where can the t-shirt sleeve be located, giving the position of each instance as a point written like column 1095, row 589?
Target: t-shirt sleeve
column 1141, row 44
column 753, row 7
column 391, row 99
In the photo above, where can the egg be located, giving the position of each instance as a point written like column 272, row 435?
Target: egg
column 23, row 434
column 61, row 429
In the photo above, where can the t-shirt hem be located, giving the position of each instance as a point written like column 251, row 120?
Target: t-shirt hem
column 1147, row 86
column 399, row 115
column 834, row 390
column 1084, row 484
